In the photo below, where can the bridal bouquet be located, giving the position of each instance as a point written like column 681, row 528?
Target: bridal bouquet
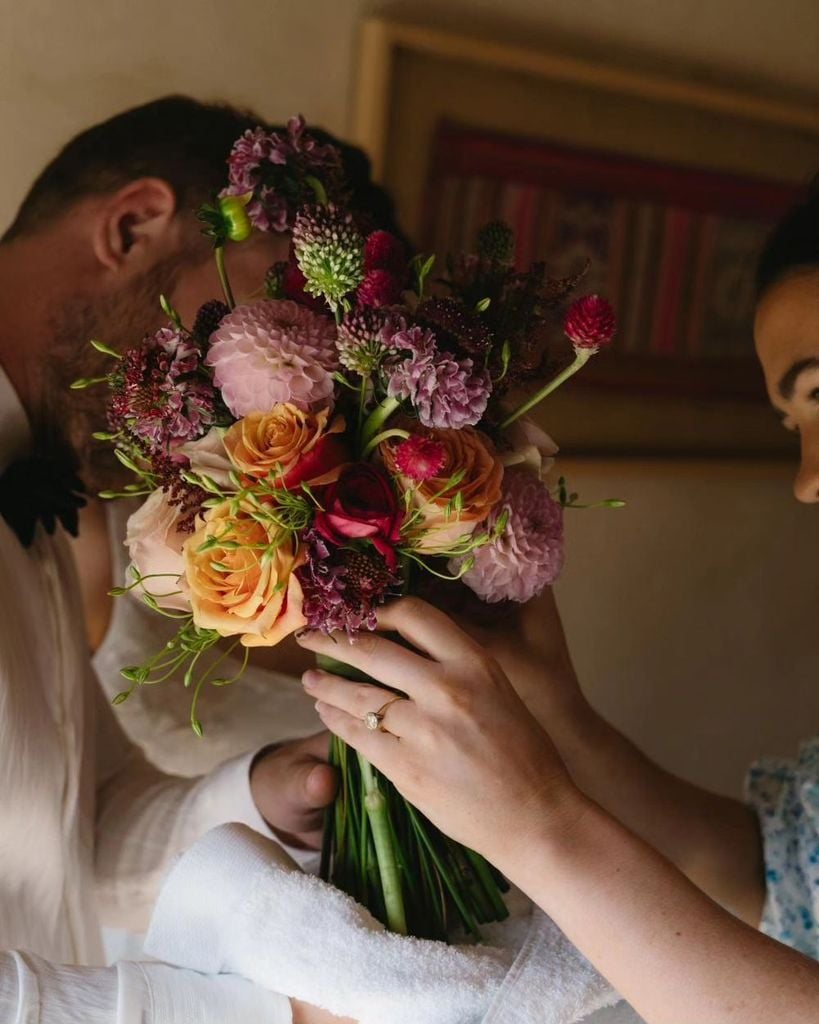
column 310, row 455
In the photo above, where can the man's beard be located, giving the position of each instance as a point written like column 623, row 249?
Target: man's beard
column 66, row 419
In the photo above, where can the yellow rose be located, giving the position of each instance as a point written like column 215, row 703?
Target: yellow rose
column 297, row 446
column 439, row 525
column 240, row 577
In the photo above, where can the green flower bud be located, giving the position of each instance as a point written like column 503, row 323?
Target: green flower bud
column 234, row 212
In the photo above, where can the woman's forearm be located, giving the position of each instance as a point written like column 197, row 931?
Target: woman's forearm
column 664, row 945
column 712, row 839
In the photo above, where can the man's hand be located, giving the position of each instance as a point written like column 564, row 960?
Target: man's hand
column 291, row 785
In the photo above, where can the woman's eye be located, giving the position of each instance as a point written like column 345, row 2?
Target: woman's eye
column 814, row 395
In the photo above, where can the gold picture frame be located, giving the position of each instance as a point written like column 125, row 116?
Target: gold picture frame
column 412, row 77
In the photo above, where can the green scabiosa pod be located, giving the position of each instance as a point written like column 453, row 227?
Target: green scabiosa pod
column 330, row 253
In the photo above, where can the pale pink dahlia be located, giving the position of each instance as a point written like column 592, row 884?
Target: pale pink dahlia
column 270, row 352
column 528, row 556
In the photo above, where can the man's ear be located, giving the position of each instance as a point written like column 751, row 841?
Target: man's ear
column 135, row 224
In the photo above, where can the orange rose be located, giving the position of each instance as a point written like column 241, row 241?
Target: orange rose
column 439, row 524
column 243, row 581
column 296, row 446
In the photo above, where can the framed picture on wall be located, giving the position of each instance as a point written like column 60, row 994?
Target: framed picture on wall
column 674, row 248
column 668, row 186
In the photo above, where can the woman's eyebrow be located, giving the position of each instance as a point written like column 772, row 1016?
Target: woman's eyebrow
column 789, row 379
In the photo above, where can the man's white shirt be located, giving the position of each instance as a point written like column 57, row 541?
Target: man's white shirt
column 87, row 826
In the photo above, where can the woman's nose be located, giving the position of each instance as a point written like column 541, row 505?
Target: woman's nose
column 806, row 485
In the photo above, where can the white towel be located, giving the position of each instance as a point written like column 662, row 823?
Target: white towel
column 236, row 903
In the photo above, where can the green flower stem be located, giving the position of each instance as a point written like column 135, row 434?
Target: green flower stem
column 385, row 435
column 581, row 357
column 445, row 875
column 376, row 806
column 377, row 418
column 362, row 402
column 219, row 253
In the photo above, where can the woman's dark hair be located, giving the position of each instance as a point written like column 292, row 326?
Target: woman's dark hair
column 793, row 244
column 182, row 141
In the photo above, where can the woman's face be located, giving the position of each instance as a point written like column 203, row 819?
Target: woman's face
column 787, row 343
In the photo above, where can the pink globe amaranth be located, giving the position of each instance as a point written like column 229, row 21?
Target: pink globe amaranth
column 528, row 556
column 379, row 288
column 590, row 322
column 271, row 352
column 383, row 251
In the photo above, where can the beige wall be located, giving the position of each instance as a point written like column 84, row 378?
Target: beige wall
column 65, row 63
column 693, row 612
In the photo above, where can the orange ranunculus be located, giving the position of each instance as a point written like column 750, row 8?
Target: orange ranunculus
column 439, row 524
column 295, row 446
column 251, row 589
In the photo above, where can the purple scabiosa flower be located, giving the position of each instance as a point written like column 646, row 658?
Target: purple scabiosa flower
column 527, row 556
column 420, row 458
column 447, row 393
column 160, row 396
column 343, row 587
column 208, row 318
column 273, row 167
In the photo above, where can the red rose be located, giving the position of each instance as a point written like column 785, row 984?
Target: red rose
column 362, row 505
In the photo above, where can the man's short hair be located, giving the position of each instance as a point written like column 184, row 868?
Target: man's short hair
column 178, row 139
column 185, row 143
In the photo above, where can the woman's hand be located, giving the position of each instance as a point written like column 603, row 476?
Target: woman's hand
column 463, row 747
column 467, row 752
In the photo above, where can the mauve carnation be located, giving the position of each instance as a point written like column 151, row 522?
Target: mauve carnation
column 447, row 393
column 273, row 352
column 528, row 556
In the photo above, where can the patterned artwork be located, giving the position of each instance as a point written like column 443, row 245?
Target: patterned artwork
column 674, row 248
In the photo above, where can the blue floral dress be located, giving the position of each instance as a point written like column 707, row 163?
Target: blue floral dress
column 785, row 795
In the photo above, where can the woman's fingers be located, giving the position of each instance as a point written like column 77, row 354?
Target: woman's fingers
column 378, row 747
column 427, row 628
column 360, row 699
column 375, row 655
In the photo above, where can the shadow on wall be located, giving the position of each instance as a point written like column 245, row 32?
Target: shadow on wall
column 692, row 613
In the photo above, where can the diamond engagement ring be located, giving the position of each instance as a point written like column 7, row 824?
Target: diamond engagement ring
column 373, row 719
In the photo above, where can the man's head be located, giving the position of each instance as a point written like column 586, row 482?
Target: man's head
column 108, row 226
column 787, row 333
